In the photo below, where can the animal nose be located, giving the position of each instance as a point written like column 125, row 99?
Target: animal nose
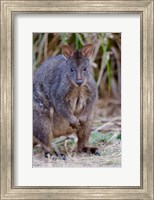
column 79, row 82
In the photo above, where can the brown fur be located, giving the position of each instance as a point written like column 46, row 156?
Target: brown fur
column 65, row 107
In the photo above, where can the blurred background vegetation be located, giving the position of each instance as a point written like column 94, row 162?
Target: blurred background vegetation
column 106, row 69
column 105, row 62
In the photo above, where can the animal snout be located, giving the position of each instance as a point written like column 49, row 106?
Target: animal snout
column 79, row 82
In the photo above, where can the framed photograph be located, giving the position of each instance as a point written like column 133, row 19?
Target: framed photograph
column 77, row 99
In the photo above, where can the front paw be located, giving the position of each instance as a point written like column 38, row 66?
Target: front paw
column 82, row 119
column 75, row 123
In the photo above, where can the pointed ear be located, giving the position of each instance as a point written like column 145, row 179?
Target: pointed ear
column 87, row 50
column 67, row 51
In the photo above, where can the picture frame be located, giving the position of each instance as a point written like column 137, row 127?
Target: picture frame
column 8, row 10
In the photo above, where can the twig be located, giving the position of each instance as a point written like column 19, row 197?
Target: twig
column 46, row 47
column 103, row 65
column 65, row 145
column 108, row 123
column 41, row 47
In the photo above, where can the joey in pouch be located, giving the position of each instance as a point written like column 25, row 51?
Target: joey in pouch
column 64, row 97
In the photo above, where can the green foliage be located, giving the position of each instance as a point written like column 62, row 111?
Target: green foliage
column 97, row 137
column 119, row 136
column 63, row 37
column 104, row 46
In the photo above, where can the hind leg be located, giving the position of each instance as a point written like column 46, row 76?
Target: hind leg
column 43, row 134
column 83, row 135
column 42, row 131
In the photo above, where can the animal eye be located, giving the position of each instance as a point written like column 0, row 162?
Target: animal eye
column 84, row 69
column 72, row 70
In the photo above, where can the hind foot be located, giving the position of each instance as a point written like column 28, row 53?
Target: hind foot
column 61, row 156
column 91, row 150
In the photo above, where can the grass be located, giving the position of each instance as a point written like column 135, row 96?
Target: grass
column 109, row 145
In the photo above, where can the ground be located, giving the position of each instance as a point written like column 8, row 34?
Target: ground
column 105, row 134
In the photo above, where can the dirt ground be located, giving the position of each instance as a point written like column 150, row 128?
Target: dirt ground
column 105, row 134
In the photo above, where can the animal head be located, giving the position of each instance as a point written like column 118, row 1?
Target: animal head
column 77, row 63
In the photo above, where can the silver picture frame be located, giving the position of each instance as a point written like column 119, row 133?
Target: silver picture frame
column 146, row 11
